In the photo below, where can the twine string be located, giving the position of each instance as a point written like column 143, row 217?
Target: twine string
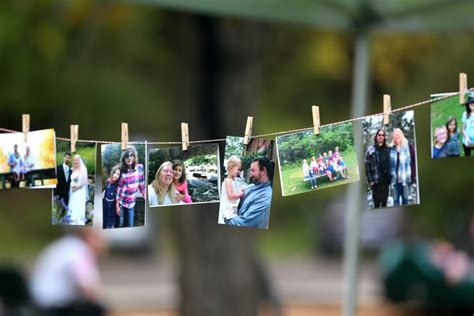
column 448, row 95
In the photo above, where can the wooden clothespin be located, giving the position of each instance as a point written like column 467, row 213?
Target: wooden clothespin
column 316, row 119
column 74, row 137
column 248, row 130
column 26, row 126
column 387, row 109
column 185, row 135
column 124, row 136
column 462, row 88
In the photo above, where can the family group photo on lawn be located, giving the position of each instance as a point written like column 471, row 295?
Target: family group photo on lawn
column 247, row 183
column 390, row 160
column 123, row 183
column 30, row 163
column 178, row 177
column 452, row 127
column 309, row 162
column 73, row 197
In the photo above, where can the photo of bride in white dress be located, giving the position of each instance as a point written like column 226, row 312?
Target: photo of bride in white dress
column 78, row 192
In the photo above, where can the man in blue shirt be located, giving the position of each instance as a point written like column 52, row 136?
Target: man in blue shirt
column 254, row 206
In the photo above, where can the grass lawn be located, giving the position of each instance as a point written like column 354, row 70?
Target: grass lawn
column 292, row 177
column 441, row 110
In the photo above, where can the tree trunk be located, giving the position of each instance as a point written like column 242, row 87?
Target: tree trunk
column 219, row 84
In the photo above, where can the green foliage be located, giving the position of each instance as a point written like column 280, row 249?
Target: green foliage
column 234, row 146
column 202, row 160
column 111, row 155
column 403, row 120
column 248, row 158
column 304, row 145
column 87, row 151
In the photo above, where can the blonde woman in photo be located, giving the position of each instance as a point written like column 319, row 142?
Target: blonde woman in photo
column 402, row 167
column 440, row 141
column 162, row 190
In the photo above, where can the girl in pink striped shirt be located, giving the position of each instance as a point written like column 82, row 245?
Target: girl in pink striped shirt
column 130, row 185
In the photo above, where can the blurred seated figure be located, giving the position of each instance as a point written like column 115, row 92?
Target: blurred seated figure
column 435, row 276
column 65, row 279
column 14, row 295
column 455, row 264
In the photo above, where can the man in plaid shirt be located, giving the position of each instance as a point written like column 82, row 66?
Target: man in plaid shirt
column 131, row 183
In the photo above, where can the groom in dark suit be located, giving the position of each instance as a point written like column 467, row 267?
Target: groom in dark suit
column 63, row 172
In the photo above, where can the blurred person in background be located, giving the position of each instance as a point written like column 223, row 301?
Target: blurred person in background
column 436, row 277
column 65, row 279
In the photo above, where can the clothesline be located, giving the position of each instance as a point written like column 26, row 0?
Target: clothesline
column 448, row 95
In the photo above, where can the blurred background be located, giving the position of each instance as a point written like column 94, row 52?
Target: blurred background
column 154, row 64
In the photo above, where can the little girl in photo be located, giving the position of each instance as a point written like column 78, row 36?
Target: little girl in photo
column 231, row 194
column 452, row 145
column 313, row 172
column 109, row 198
column 305, row 169
column 321, row 165
column 179, row 179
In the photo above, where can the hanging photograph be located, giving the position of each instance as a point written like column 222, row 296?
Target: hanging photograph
column 452, row 126
column 310, row 162
column 30, row 163
column 247, row 183
column 73, row 197
column 123, row 182
column 390, row 160
column 177, row 177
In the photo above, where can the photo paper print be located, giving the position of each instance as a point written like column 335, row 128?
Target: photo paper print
column 247, row 185
column 124, row 186
column 452, row 126
column 390, row 160
column 177, row 177
column 30, row 164
column 73, row 197
column 310, row 162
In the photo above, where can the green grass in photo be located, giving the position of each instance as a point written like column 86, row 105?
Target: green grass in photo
column 293, row 182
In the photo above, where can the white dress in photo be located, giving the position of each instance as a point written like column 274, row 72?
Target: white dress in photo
column 227, row 208
column 77, row 199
